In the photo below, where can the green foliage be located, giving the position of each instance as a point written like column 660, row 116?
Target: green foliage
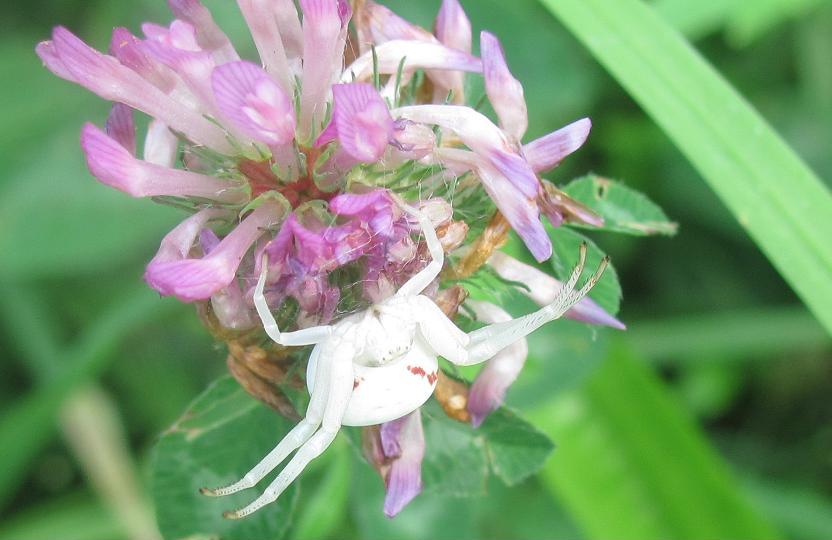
column 219, row 438
column 566, row 244
column 772, row 193
column 706, row 309
column 624, row 210
column 636, row 466
column 458, row 458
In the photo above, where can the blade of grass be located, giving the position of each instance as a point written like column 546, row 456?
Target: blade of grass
column 94, row 431
column 631, row 464
column 779, row 201
column 75, row 517
column 29, row 424
column 756, row 335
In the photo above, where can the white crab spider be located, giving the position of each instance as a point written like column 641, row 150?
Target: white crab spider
column 381, row 364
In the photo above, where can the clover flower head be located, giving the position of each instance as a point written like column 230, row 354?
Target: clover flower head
column 300, row 160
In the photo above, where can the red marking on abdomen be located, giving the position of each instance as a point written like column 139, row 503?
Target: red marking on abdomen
column 433, row 376
column 416, row 370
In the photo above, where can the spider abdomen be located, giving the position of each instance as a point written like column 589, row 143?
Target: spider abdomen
column 384, row 393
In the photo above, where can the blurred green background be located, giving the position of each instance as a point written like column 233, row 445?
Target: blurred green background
column 719, row 391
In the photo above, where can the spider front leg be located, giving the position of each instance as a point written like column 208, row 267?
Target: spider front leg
column 307, row 336
column 335, row 374
column 296, row 437
column 482, row 344
column 420, row 281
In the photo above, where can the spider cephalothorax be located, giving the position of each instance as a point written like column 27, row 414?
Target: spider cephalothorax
column 381, row 364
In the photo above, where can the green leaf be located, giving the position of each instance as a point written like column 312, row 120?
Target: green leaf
column 458, row 457
column 566, row 244
column 632, row 464
column 320, row 514
column 219, row 438
column 778, row 200
column 454, row 463
column 624, row 210
column 515, row 448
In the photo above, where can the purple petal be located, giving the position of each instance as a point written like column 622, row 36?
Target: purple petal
column 517, row 170
column 208, row 240
column 520, row 211
column 481, row 136
column 548, row 151
column 106, row 77
column 390, row 433
column 500, row 372
column 258, row 107
column 209, row 36
column 121, row 128
column 110, row 163
column 362, row 121
column 543, row 288
column 198, row 279
column 352, row 204
column 504, row 91
column 404, row 479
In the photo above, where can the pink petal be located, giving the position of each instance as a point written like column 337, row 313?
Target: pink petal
column 261, row 17
column 106, row 77
column 404, row 479
column 121, row 128
column 113, row 165
column 258, row 107
column 453, row 27
column 128, row 49
column 193, row 67
column 490, row 386
column 178, row 243
column 362, row 121
column 323, row 45
column 504, row 91
column 209, row 36
column 412, row 140
column 384, row 25
column 543, row 288
column 548, row 151
column 198, row 279
column 49, row 56
column 231, row 309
